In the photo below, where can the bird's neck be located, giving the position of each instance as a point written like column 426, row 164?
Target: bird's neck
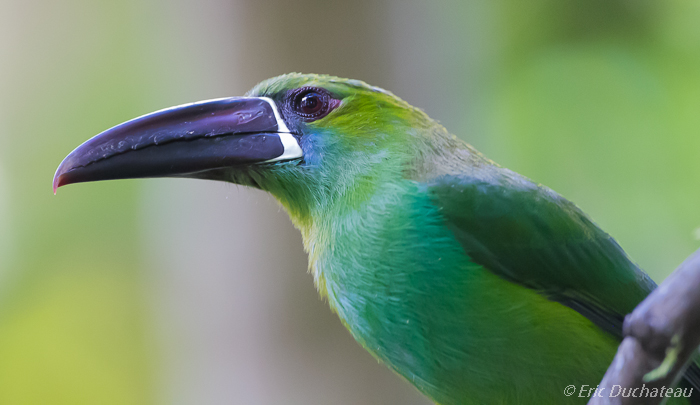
column 344, row 241
column 352, row 210
column 341, row 205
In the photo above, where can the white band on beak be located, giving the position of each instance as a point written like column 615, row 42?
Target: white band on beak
column 292, row 150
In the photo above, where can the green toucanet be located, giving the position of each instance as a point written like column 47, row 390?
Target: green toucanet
column 475, row 284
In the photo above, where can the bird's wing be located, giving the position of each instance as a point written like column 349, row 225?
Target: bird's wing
column 530, row 235
column 536, row 238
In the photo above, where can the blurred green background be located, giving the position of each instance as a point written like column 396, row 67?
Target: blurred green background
column 162, row 292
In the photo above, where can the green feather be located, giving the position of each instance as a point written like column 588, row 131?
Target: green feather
column 470, row 281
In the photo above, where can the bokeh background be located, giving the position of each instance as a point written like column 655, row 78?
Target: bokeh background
column 163, row 291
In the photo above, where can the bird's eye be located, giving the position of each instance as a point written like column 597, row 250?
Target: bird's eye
column 311, row 103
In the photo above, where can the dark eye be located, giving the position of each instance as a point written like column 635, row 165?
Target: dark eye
column 311, row 103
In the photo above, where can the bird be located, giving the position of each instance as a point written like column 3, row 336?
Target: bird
column 472, row 282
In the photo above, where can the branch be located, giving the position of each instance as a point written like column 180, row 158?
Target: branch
column 661, row 335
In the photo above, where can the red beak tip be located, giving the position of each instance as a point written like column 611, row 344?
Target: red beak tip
column 56, row 184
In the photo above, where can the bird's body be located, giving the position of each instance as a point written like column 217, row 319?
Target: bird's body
column 406, row 291
column 472, row 282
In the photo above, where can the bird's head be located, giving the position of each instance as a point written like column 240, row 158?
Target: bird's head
column 307, row 139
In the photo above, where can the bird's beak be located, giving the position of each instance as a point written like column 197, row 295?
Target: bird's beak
column 188, row 140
